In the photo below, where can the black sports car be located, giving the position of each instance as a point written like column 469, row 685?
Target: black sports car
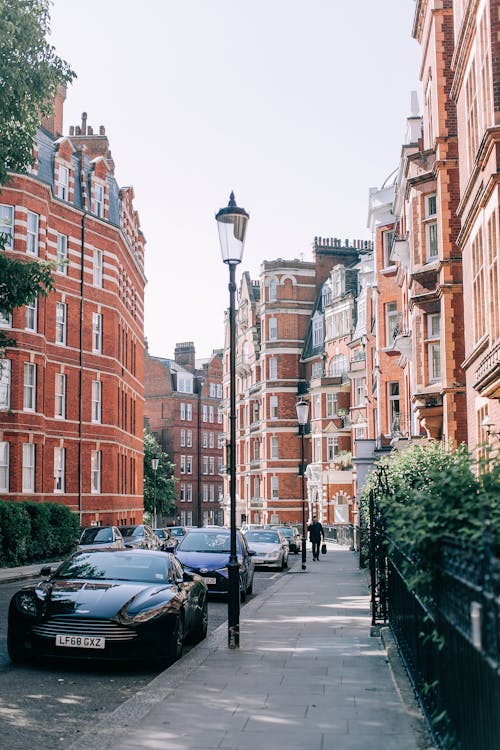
column 109, row 604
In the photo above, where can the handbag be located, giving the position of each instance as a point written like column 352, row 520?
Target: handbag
column 323, row 549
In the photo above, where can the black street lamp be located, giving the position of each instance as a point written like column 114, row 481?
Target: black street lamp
column 154, row 466
column 232, row 224
column 302, row 408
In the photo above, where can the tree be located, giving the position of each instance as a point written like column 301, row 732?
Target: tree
column 164, row 480
column 30, row 73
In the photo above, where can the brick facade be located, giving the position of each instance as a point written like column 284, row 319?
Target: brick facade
column 182, row 410
column 73, row 385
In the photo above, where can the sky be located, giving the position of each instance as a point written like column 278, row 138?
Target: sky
column 299, row 106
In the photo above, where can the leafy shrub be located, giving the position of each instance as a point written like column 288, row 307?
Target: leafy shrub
column 32, row 532
column 15, row 527
column 431, row 491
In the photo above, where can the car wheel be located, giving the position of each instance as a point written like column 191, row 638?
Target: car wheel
column 17, row 652
column 179, row 636
column 200, row 632
column 285, row 562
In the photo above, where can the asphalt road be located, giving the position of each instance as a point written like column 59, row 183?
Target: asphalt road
column 46, row 705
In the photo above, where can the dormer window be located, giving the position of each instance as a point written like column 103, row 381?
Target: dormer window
column 62, row 185
column 326, row 294
column 99, row 201
column 318, row 330
column 184, row 382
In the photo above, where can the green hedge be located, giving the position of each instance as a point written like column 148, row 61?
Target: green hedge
column 429, row 492
column 35, row 532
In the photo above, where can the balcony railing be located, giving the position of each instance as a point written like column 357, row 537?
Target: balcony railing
column 488, row 372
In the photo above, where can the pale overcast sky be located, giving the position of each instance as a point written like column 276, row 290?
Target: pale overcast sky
column 299, row 106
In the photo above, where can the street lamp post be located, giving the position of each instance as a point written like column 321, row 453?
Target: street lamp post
column 232, row 224
column 154, row 466
column 302, row 408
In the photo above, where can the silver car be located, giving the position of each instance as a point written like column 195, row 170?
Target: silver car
column 270, row 547
column 98, row 537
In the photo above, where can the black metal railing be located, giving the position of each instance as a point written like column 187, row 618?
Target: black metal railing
column 450, row 642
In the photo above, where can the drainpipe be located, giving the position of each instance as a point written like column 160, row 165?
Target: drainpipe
column 80, row 386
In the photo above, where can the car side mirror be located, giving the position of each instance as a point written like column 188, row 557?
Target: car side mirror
column 46, row 571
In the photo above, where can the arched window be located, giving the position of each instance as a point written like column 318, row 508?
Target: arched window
column 338, row 366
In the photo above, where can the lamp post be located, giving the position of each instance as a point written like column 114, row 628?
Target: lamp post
column 232, row 223
column 302, row 408
column 154, row 466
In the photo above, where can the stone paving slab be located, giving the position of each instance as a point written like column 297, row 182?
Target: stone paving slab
column 307, row 676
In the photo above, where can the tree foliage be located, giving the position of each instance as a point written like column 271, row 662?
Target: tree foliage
column 161, row 486
column 30, row 73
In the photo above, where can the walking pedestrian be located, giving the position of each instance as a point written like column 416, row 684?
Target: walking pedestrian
column 316, row 533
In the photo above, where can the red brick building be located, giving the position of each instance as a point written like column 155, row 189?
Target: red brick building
column 71, row 390
column 183, row 411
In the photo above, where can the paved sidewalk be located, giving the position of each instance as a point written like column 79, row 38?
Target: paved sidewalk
column 307, row 676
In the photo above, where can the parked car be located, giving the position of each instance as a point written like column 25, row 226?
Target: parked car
column 100, row 536
column 163, row 536
column 139, row 537
column 177, row 532
column 271, row 547
column 293, row 537
column 206, row 552
column 127, row 604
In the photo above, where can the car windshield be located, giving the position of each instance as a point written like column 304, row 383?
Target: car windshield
column 263, row 537
column 96, row 534
column 200, row 541
column 160, row 533
column 287, row 532
column 132, row 530
column 177, row 532
column 151, row 568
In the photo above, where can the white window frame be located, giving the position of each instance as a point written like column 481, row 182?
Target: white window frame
column 273, row 407
column 273, row 329
column 358, row 391
column 391, row 321
column 95, row 472
column 332, row 404
column 273, row 368
column 275, row 488
column 62, row 186
column 317, row 330
column 32, row 230
column 434, row 347
column 189, row 464
column 211, row 441
column 182, row 411
column 97, row 332
column 274, row 446
column 61, row 323
column 189, row 412
column 29, row 387
column 211, row 464
column 205, row 464
column 332, row 447
column 273, row 290
column 28, row 471
column 7, row 225
column 60, row 396
column 392, row 398
column 182, row 467
column 62, row 254
column 387, row 242
column 5, row 381
column 189, row 491
column 96, row 417
column 220, row 415
column 5, row 320
column 98, row 270
column 4, row 466
column 99, row 200
column 31, row 316
column 182, row 441
column 59, row 469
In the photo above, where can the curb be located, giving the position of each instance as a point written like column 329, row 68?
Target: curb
column 107, row 733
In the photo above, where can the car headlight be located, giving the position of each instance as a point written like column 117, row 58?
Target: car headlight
column 26, row 602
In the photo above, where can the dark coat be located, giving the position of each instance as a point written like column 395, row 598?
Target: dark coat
column 316, row 532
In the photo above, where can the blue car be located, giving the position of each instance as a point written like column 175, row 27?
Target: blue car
column 206, row 553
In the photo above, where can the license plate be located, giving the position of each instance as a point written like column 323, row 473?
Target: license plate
column 210, row 581
column 80, row 641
